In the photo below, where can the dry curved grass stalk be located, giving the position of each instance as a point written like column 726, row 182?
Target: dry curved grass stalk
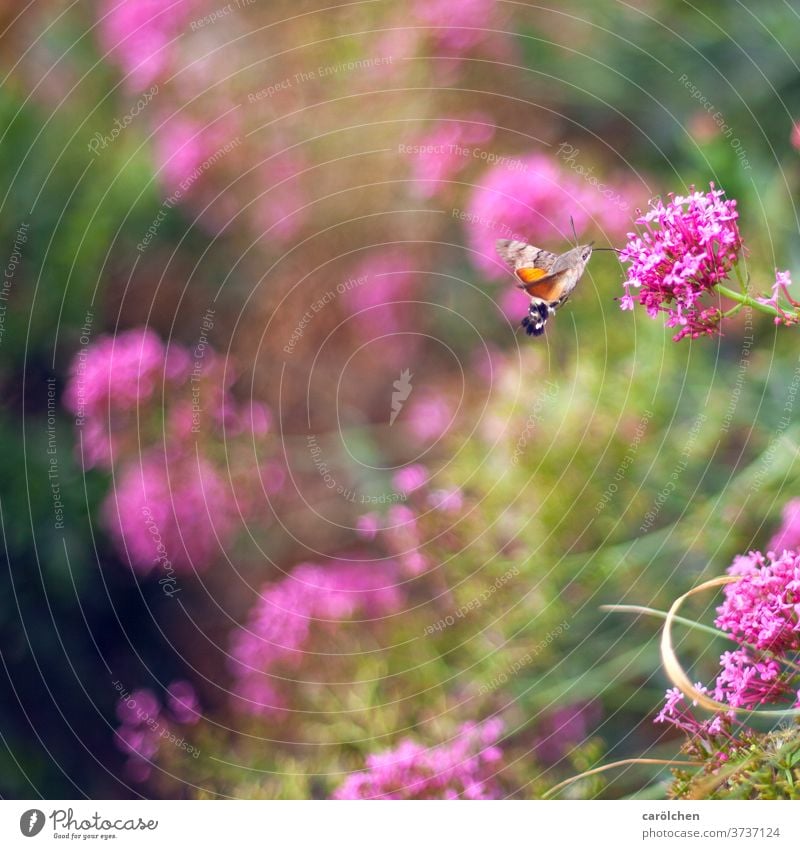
column 672, row 666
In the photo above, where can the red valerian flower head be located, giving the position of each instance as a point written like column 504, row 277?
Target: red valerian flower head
column 684, row 248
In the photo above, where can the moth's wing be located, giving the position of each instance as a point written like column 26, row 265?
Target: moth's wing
column 543, row 287
column 517, row 255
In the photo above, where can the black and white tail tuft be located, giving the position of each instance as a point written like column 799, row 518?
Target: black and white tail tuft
column 534, row 322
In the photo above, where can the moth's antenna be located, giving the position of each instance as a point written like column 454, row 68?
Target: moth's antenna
column 572, row 224
column 616, row 250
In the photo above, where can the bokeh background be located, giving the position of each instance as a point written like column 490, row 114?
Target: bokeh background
column 279, row 468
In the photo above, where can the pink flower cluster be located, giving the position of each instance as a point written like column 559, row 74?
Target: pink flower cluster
column 684, row 248
column 148, row 410
column 532, row 199
column 465, row 767
column 177, row 514
column 676, row 712
column 140, row 36
column 761, row 612
column 111, row 378
column 279, row 624
column 145, row 725
column 763, row 608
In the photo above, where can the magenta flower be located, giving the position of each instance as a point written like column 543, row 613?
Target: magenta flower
column 279, row 624
column 746, row 681
column 761, row 612
column 685, row 248
column 763, row 608
column 465, row 767
column 676, row 712
column 780, row 287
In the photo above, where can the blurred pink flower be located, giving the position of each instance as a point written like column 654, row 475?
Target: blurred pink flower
column 783, row 280
column 447, row 500
column 367, row 526
column 279, row 623
column 182, row 701
column 382, row 304
column 460, row 24
column 428, row 416
column 139, row 36
column 445, row 150
column 281, row 209
column 144, row 724
column 179, row 517
column 273, row 476
column 532, row 200
column 386, row 277
column 410, row 478
column 462, row 768
column 182, row 149
column 788, row 534
column 402, row 537
column 561, row 730
column 115, row 373
column 795, row 135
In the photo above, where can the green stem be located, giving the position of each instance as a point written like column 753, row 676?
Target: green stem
column 697, row 626
column 660, row 614
column 747, row 301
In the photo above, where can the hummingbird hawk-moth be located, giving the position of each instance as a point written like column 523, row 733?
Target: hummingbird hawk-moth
column 548, row 278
